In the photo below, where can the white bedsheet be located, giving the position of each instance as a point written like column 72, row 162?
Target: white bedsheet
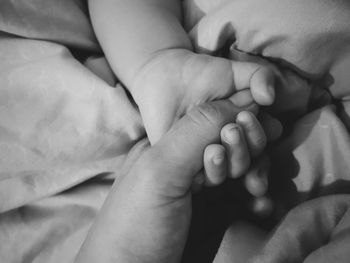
column 65, row 134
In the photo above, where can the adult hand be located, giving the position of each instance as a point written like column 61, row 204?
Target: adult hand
column 314, row 232
column 147, row 214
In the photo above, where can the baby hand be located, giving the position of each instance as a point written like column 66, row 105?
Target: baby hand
column 240, row 154
column 147, row 214
column 176, row 80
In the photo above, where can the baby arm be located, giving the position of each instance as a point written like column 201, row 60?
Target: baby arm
column 151, row 54
column 132, row 32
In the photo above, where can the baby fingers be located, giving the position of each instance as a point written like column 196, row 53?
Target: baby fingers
column 256, row 183
column 253, row 132
column 215, row 165
column 256, row 179
column 237, row 152
column 241, row 142
column 231, row 159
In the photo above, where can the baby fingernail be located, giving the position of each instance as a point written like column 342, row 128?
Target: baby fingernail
column 232, row 135
column 263, row 206
column 244, row 116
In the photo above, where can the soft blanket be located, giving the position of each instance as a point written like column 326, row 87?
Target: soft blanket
column 67, row 131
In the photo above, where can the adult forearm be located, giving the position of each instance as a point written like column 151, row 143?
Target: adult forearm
column 131, row 32
column 133, row 227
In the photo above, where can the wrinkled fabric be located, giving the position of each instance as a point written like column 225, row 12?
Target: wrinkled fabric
column 280, row 30
column 62, row 21
column 315, row 232
column 67, row 132
column 60, row 126
column 312, row 160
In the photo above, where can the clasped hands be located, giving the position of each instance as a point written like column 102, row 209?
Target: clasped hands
column 147, row 214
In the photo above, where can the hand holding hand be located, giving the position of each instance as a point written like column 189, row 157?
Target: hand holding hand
column 310, row 38
column 147, row 214
column 240, row 154
column 176, row 80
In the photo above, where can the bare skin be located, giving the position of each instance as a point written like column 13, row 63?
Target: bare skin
column 150, row 52
column 147, row 214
